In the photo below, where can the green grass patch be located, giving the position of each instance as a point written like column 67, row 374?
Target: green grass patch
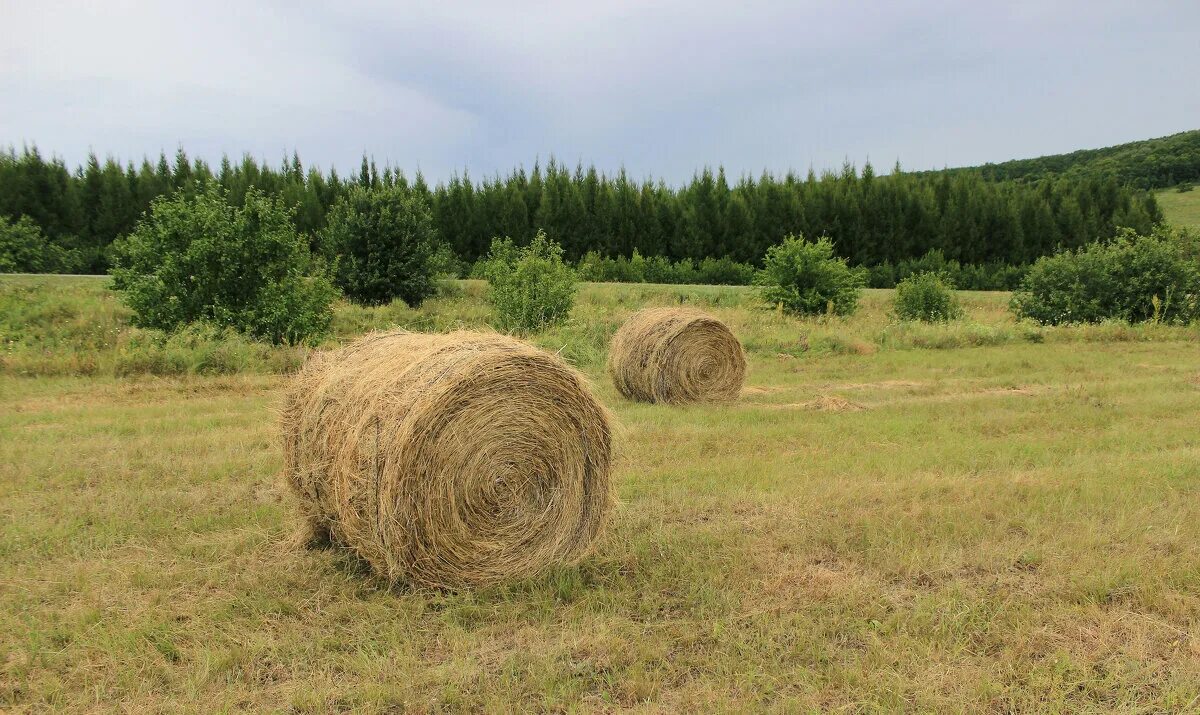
column 1180, row 208
column 56, row 325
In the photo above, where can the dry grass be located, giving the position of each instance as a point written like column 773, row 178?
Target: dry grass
column 829, row 403
column 1005, row 527
column 676, row 356
column 452, row 460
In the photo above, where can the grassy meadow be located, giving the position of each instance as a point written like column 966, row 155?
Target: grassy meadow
column 1180, row 208
column 984, row 516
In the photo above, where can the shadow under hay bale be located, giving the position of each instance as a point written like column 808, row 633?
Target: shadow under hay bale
column 676, row 356
column 448, row 460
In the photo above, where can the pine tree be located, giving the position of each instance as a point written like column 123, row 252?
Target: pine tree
column 870, row 218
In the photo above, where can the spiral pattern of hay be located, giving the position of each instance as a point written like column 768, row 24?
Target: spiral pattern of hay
column 676, row 355
column 448, row 460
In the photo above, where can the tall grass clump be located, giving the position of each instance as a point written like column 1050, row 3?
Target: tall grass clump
column 805, row 278
column 531, row 288
column 1133, row 278
column 926, row 297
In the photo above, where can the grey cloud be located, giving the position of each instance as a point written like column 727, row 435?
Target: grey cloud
column 659, row 87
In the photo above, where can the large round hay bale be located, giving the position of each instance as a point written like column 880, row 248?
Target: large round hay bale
column 448, row 460
column 676, row 355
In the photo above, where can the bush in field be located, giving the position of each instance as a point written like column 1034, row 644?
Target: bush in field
column 1132, row 277
column 657, row 269
column 989, row 276
column 197, row 258
column 590, row 268
column 25, row 249
column 445, row 263
column 725, row 271
column 881, row 275
column 927, row 297
column 804, row 277
column 531, row 287
column 383, row 245
column 624, row 270
column 978, row 276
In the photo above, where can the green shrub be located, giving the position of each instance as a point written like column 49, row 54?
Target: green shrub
column 1132, row 278
column 446, row 265
column 197, row 258
column 989, row 276
column 383, row 245
column 590, row 268
column 927, row 297
column 882, row 275
column 531, row 287
column 684, row 272
column 979, row 276
column 25, row 249
column 725, row 271
column 805, row 277
column 657, row 269
column 624, row 270
column 478, row 270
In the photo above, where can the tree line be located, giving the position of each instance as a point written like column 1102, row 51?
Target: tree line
column 1147, row 164
column 871, row 219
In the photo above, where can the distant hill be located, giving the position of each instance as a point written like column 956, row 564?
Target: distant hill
column 1147, row 164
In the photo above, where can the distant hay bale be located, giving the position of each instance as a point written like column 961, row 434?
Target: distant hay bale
column 676, row 355
column 448, row 460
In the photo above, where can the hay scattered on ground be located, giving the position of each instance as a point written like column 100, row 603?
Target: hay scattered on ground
column 448, row 460
column 881, row 385
column 676, row 355
column 832, row 403
column 822, row 403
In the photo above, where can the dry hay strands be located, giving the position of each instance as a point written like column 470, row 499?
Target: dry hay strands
column 448, row 460
column 676, row 355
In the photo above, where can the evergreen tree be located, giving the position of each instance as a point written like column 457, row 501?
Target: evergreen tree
column 871, row 219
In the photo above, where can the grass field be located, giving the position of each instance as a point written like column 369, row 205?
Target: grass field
column 981, row 517
column 1182, row 209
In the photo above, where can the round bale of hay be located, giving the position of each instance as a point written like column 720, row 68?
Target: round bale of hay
column 448, row 460
column 676, row 355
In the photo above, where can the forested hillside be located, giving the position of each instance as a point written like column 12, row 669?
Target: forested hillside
column 1148, row 164
column 872, row 219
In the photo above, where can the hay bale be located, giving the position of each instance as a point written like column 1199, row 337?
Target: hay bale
column 676, row 355
column 448, row 460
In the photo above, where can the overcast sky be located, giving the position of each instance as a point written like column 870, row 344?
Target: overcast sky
column 659, row 87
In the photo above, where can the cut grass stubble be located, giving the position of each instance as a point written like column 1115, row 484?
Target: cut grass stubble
column 994, row 525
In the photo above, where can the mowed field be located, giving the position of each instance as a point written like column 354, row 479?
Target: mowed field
column 1179, row 208
column 980, row 517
